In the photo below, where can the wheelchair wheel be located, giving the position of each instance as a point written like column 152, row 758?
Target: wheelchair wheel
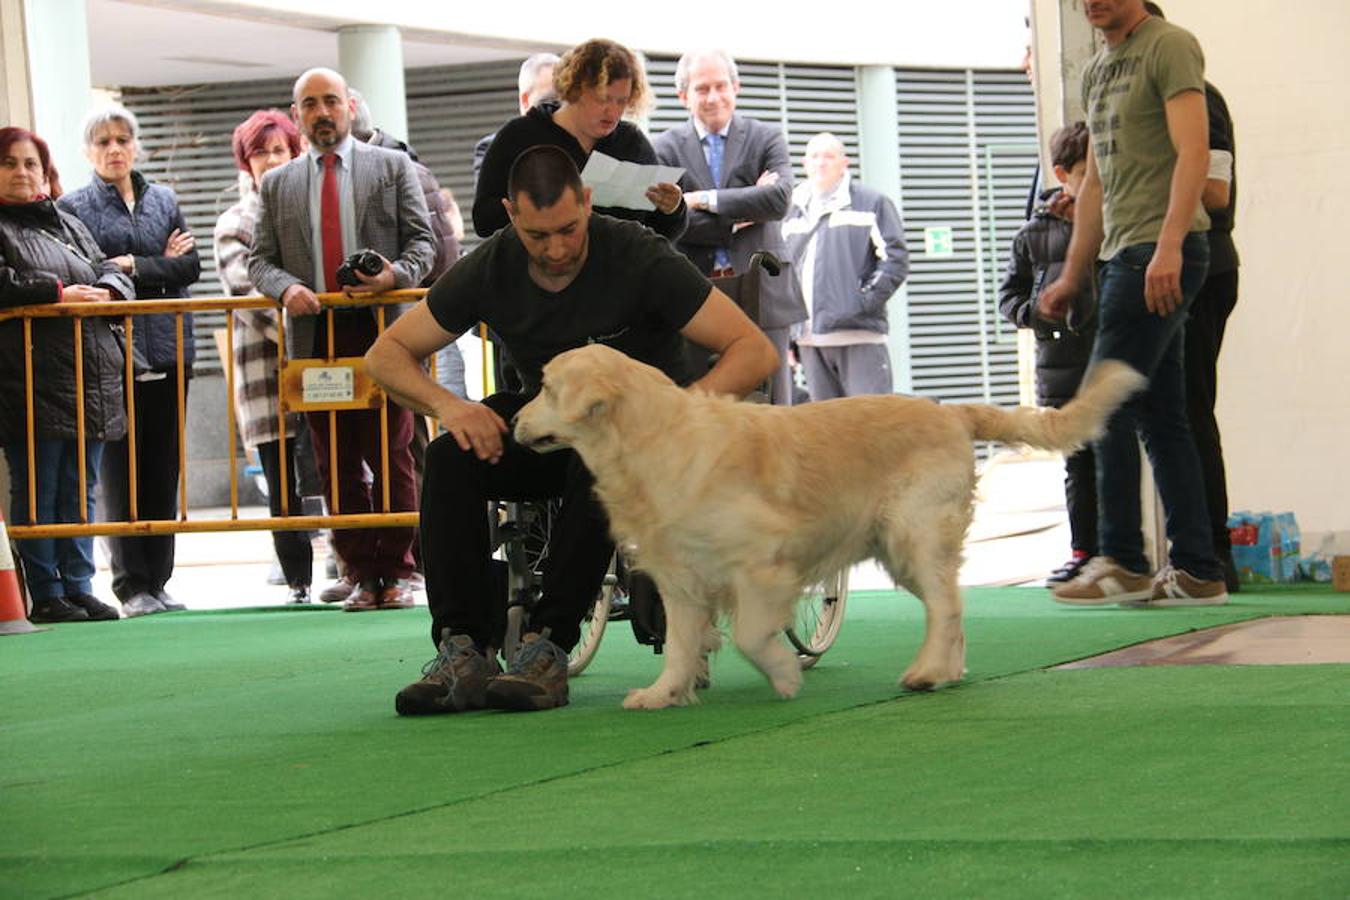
column 820, row 612
column 593, row 626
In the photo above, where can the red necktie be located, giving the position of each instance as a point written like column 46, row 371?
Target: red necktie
column 330, row 228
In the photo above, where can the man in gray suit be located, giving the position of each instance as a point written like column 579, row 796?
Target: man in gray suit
column 340, row 197
column 738, row 184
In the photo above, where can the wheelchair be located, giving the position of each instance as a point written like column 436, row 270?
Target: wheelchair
column 520, row 538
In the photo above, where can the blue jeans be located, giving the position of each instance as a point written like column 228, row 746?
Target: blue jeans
column 54, row 567
column 1154, row 345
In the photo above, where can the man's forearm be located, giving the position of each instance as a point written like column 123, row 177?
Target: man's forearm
column 742, row 366
column 1188, row 183
column 403, row 378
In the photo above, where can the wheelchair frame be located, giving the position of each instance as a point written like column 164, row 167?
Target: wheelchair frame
column 520, row 532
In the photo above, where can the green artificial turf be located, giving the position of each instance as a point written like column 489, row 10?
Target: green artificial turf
column 257, row 754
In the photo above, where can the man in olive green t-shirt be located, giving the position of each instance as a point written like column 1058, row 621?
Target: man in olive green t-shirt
column 1139, row 213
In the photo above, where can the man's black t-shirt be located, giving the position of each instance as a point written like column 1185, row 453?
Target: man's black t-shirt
column 633, row 293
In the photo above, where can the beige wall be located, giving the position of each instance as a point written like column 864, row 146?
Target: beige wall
column 1284, row 374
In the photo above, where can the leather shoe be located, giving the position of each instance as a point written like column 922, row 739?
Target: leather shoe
column 364, row 599
column 141, row 604
column 394, row 595
column 56, row 609
column 339, row 591
column 168, row 603
column 298, row 596
column 94, row 608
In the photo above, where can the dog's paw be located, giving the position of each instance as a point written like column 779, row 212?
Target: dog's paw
column 789, row 684
column 919, row 677
column 653, row 698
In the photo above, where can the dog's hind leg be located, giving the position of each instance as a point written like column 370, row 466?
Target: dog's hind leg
column 687, row 625
column 932, row 575
column 762, row 612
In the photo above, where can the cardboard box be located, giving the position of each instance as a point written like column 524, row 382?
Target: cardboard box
column 1340, row 572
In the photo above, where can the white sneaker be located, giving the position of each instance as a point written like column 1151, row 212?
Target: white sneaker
column 1103, row 582
column 1177, row 587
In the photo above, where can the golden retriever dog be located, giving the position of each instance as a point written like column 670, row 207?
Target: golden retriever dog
column 734, row 507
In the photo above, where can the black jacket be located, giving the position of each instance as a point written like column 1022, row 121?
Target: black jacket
column 42, row 249
column 1034, row 262
column 142, row 233
column 447, row 245
column 626, row 143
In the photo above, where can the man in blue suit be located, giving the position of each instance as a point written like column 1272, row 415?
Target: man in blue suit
column 737, row 184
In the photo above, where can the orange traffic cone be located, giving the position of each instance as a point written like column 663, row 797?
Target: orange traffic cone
column 13, row 616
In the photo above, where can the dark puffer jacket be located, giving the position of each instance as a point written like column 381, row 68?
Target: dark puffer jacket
column 41, row 249
column 142, row 233
column 1034, row 262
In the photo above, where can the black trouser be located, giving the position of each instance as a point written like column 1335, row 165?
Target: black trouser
column 1080, row 498
column 456, row 487
column 141, row 564
column 294, row 551
column 1204, row 338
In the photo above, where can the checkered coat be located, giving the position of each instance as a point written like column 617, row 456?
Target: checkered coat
column 256, row 357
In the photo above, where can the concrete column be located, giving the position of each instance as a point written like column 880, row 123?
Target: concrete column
column 57, row 33
column 370, row 57
column 16, row 104
column 879, row 168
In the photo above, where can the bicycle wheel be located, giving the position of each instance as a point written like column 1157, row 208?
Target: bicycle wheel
column 820, row 612
column 593, row 626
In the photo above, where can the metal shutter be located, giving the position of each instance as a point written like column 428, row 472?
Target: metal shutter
column 967, row 156
column 185, row 136
column 185, row 133
column 802, row 100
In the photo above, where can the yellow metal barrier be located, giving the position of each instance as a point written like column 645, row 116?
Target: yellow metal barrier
column 286, row 402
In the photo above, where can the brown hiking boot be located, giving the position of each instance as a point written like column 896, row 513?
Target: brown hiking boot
column 1177, row 587
column 1103, row 582
column 537, row 678
column 452, row 682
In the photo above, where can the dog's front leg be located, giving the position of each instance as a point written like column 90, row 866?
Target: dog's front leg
column 686, row 624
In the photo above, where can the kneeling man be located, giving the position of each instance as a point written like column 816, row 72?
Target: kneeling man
column 558, row 278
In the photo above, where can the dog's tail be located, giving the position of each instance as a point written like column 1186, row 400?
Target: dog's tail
column 1107, row 386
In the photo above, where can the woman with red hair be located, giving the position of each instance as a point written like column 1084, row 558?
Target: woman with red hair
column 265, row 140
column 48, row 256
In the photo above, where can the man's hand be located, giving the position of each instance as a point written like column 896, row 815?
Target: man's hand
column 83, row 293
column 1162, row 281
column 766, row 177
column 373, row 284
column 125, row 262
column 474, row 426
column 300, row 301
column 666, row 196
column 180, row 243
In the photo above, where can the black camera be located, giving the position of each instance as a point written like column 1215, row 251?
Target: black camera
column 367, row 262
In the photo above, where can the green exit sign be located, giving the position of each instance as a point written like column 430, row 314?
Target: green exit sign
column 937, row 240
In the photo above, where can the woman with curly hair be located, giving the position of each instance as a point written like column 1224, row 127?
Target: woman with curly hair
column 597, row 82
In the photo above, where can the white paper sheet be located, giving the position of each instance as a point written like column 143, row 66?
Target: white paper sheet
column 624, row 184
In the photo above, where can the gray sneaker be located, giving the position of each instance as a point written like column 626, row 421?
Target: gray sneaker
column 452, row 682
column 1177, row 587
column 537, row 678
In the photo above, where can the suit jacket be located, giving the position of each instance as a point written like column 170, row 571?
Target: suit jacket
column 752, row 148
column 391, row 219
